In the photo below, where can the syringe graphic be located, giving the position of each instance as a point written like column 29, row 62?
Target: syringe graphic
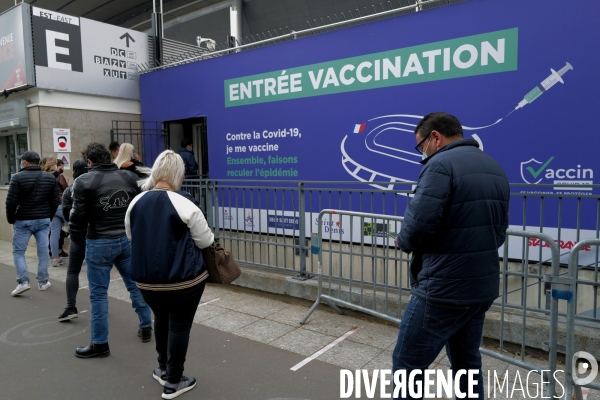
column 544, row 86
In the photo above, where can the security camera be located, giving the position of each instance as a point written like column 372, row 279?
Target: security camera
column 209, row 43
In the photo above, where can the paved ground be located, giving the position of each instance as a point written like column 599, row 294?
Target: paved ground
column 244, row 344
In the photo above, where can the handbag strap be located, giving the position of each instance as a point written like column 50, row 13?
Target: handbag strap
column 35, row 185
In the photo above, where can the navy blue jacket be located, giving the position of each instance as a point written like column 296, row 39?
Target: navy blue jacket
column 167, row 230
column 191, row 166
column 455, row 224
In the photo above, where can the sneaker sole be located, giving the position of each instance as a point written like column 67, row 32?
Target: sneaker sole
column 97, row 355
column 180, row 392
column 22, row 291
column 159, row 379
column 67, row 318
column 145, row 340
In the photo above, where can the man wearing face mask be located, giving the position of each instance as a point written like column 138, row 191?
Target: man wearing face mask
column 31, row 201
column 453, row 227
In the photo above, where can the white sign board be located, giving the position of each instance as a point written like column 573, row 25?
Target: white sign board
column 80, row 55
column 65, row 158
column 62, row 140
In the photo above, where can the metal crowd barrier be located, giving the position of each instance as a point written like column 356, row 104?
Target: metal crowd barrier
column 531, row 287
column 377, row 286
column 336, row 277
column 238, row 212
column 566, row 289
column 505, row 307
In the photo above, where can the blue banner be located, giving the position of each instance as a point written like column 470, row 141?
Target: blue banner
column 342, row 105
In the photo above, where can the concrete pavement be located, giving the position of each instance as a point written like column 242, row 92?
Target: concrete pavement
column 244, row 344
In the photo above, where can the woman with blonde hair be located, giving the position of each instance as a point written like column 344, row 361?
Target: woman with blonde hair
column 171, row 282
column 130, row 160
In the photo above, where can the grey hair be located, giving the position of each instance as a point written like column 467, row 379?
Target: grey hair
column 168, row 167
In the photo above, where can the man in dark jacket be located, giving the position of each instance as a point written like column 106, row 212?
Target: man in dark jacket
column 453, row 227
column 31, row 201
column 191, row 166
column 100, row 200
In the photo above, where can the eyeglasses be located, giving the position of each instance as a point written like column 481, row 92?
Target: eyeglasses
column 419, row 147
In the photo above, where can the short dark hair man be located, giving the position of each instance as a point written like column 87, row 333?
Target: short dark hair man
column 100, row 201
column 453, row 227
column 191, row 165
column 31, row 201
column 114, row 147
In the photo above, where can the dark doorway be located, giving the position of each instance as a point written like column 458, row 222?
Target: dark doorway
column 193, row 129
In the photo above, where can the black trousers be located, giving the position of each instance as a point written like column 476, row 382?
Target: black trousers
column 173, row 317
column 76, row 257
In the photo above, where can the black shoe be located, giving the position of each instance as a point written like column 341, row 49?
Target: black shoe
column 93, row 350
column 173, row 390
column 63, row 254
column 70, row 313
column 145, row 334
column 160, row 375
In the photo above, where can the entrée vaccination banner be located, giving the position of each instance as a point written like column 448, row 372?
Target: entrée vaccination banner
column 342, row 105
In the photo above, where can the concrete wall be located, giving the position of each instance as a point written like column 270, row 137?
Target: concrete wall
column 86, row 126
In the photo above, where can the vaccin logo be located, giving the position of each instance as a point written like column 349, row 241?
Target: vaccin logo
column 534, row 172
column 531, row 169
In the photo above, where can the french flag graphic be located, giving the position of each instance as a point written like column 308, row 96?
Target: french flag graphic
column 358, row 128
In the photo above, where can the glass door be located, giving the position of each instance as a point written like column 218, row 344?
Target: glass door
column 11, row 147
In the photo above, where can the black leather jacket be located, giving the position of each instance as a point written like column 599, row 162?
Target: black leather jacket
column 100, row 201
column 67, row 203
column 25, row 202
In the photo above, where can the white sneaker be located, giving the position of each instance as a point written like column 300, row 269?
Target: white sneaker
column 57, row 263
column 44, row 286
column 21, row 287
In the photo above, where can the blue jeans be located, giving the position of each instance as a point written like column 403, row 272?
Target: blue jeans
column 427, row 327
column 22, row 231
column 55, row 228
column 100, row 255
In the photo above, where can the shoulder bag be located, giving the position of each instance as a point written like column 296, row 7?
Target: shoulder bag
column 220, row 264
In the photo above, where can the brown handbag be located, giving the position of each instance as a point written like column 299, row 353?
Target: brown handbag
column 220, row 264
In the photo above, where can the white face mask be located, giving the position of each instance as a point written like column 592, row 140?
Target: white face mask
column 424, row 155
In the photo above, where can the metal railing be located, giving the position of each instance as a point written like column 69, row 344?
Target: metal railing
column 270, row 224
column 274, row 224
column 376, row 282
column 355, row 17
column 504, row 306
column 149, row 138
column 567, row 289
column 263, row 222
column 339, row 285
